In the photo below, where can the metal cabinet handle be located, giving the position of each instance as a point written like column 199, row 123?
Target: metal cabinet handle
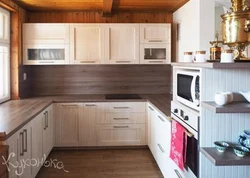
column 177, row 173
column 163, row 120
column 90, row 105
column 69, row 105
column 88, row 62
column 121, row 118
column 151, row 108
column 26, row 141
column 22, row 144
column 160, row 147
column 156, row 61
column 46, row 62
column 117, row 127
column 121, row 107
column 155, row 41
column 122, row 61
column 45, row 121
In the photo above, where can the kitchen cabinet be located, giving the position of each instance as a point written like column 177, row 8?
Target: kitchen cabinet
column 3, row 157
column 121, row 124
column 45, row 33
column 155, row 53
column 37, row 141
column 155, row 33
column 87, row 43
column 88, row 124
column 48, row 130
column 159, row 132
column 67, row 124
column 122, row 44
column 121, row 134
column 45, row 44
column 20, row 150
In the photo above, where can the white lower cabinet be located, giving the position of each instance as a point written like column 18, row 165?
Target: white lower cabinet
column 29, row 144
column 160, row 137
column 121, row 134
column 67, row 124
column 20, row 152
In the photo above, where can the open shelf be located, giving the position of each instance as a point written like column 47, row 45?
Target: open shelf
column 235, row 107
column 228, row 158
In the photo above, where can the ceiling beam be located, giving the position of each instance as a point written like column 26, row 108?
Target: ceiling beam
column 107, row 8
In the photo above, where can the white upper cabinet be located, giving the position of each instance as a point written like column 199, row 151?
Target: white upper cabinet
column 45, row 33
column 155, row 33
column 45, row 44
column 122, row 44
column 86, row 43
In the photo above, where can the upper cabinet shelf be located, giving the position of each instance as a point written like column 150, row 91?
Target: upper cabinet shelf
column 235, row 107
column 82, row 43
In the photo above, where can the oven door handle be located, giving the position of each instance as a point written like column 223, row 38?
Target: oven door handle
column 189, row 134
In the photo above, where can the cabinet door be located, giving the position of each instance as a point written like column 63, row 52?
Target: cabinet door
column 122, row 44
column 47, row 123
column 45, row 33
column 88, row 124
column 87, row 44
column 150, row 126
column 155, row 33
column 12, row 142
column 67, row 124
column 37, row 144
column 24, row 142
column 121, row 134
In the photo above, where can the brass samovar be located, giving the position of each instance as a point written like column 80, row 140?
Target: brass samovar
column 236, row 28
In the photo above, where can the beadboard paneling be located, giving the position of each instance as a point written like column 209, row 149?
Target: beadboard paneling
column 95, row 17
column 222, row 127
column 100, row 79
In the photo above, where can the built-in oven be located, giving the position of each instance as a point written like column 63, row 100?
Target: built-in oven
column 188, row 87
column 189, row 120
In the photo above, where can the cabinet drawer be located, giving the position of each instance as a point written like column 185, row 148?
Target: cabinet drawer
column 127, row 107
column 121, row 134
column 3, row 154
column 124, row 117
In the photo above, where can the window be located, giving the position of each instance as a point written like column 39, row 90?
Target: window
column 4, row 55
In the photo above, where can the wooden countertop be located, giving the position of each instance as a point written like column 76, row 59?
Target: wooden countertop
column 16, row 113
column 213, row 65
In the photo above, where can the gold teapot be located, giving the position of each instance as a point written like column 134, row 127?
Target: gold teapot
column 236, row 28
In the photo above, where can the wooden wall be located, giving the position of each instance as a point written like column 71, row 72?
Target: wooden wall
column 100, row 79
column 95, row 17
column 18, row 16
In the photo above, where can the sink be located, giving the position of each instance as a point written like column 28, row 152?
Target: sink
column 122, row 96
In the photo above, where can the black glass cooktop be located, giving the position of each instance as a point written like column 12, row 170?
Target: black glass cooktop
column 122, row 96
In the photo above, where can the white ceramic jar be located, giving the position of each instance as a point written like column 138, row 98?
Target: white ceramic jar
column 220, row 98
column 200, row 56
column 188, row 57
column 227, row 56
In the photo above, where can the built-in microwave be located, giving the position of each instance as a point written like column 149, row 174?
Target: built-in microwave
column 188, row 88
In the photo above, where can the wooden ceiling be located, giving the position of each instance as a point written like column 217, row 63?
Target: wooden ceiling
column 105, row 6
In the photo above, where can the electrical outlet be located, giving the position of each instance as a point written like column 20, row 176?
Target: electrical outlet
column 24, row 76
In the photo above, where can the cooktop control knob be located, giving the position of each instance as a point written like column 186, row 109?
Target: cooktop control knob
column 175, row 110
column 186, row 118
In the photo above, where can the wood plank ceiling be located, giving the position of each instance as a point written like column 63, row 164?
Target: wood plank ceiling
column 105, row 6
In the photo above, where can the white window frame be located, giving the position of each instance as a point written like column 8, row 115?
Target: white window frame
column 5, row 41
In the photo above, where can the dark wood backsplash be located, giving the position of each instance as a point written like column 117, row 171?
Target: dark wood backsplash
column 100, row 79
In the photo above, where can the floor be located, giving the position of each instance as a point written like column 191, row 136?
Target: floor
column 127, row 163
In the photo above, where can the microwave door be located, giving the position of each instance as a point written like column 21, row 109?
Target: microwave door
column 184, row 83
column 192, row 89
